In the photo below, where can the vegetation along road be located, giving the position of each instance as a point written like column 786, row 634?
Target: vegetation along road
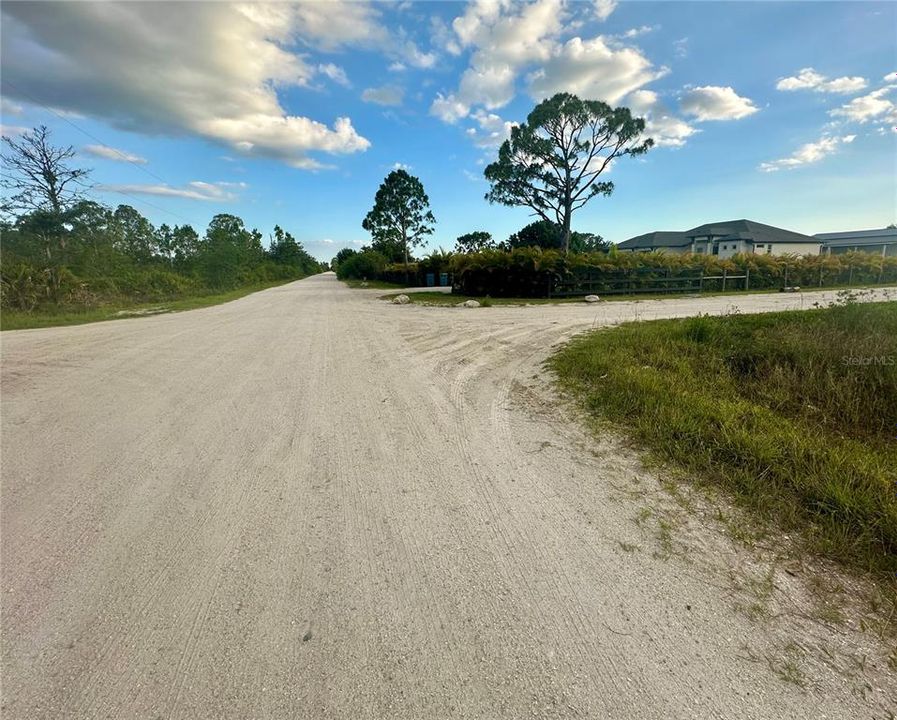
column 311, row 503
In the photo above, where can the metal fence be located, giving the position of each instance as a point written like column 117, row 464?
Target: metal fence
column 650, row 280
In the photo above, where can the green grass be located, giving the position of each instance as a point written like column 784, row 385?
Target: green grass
column 52, row 317
column 794, row 413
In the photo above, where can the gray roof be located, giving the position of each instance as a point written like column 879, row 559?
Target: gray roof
column 859, row 237
column 656, row 239
column 749, row 230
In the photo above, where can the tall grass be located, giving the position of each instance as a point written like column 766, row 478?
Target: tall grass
column 795, row 413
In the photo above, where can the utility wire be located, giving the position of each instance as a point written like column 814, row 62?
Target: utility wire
column 119, row 152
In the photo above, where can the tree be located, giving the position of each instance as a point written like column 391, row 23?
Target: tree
column 474, row 242
column 542, row 233
column 342, row 256
column 552, row 162
column 178, row 244
column 588, row 243
column 133, row 234
column 39, row 175
column 401, row 214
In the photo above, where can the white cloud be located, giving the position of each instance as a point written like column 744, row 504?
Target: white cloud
column 400, row 166
column 591, row 69
column 716, row 103
column 329, row 25
column 335, row 73
column 8, row 107
column 10, row 130
column 643, row 30
column 386, row 95
column 397, row 67
column 109, row 153
column 448, row 108
column 492, row 130
column 210, row 69
column 807, row 154
column 196, row 190
column 665, row 129
column 680, row 47
column 809, row 79
column 505, row 37
column 865, row 108
column 604, row 8
column 417, row 58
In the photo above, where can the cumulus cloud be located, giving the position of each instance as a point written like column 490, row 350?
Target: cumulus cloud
column 868, row 107
column 504, row 38
column 196, row 190
column 716, row 103
column 664, row 128
column 507, row 39
column 808, row 154
column 110, row 153
column 591, row 69
column 809, row 79
column 491, row 130
column 211, row 69
column 386, row 95
column 449, row 108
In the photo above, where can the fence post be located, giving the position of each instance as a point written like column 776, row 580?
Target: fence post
column 701, row 282
column 850, row 276
column 747, row 279
column 724, row 279
column 820, row 276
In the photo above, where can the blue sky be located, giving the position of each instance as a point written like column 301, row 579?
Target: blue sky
column 289, row 114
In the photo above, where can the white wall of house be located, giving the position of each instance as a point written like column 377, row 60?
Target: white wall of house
column 728, row 248
column 795, row 248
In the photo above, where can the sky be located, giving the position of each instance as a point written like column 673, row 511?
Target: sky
column 293, row 114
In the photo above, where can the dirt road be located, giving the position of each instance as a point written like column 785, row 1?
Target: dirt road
column 309, row 503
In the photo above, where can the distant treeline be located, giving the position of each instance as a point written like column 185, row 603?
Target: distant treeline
column 89, row 255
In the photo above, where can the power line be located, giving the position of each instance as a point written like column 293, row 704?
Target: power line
column 108, row 147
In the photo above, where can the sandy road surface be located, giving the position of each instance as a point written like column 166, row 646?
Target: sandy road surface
column 308, row 503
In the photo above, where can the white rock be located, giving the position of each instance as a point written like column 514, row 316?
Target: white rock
column 469, row 303
column 401, row 300
column 591, row 298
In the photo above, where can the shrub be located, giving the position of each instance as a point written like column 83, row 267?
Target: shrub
column 535, row 272
column 364, row 265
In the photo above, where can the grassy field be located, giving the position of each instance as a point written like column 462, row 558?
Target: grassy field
column 793, row 413
column 19, row 320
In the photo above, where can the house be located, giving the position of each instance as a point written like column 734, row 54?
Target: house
column 883, row 242
column 668, row 241
column 726, row 239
